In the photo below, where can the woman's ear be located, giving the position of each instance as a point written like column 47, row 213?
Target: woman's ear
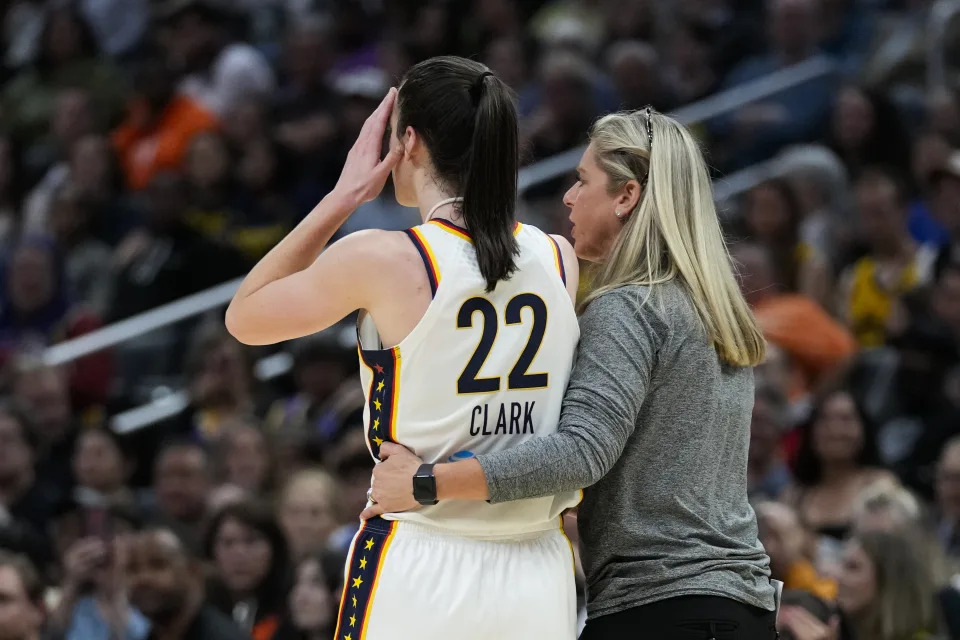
column 629, row 197
column 411, row 142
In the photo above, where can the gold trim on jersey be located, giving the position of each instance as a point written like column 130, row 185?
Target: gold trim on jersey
column 383, row 395
column 462, row 233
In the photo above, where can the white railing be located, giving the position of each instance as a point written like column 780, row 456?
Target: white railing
column 548, row 169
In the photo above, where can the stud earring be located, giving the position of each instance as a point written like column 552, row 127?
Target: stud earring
column 619, row 213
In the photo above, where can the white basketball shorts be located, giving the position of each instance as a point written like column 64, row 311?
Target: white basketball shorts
column 406, row 581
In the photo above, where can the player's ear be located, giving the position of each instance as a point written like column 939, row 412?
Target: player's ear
column 411, row 142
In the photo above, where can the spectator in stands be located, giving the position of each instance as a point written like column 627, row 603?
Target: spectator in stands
column 68, row 58
column 166, row 260
column 96, row 175
column 872, row 290
column 495, row 19
column 943, row 114
column 921, row 414
column 786, row 540
column 245, row 457
column 772, row 216
column 846, row 32
column 886, row 590
column 251, row 567
column 90, row 514
column 306, row 104
column 820, row 181
column 928, row 155
column 509, row 58
column 101, row 466
column 836, row 461
column 311, row 602
column 794, row 115
column 209, row 177
column 629, row 19
column 320, row 368
column 249, row 120
column 568, row 104
column 635, row 69
column 35, row 306
column 37, row 312
column 307, row 108
column 307, row 511
column 22, row 610
column 221, row 384
column 768, row 475
column 945, row 298
column 93, row 599
column 690, row 73
column 45, row 393
column 166, row 585
column 866, row 130
column 182, row 482
column 886, row 507
column 264, row 212
column 72, row 119
column 221, row 71
column 816, row 344
column 730, row 31
column 27, row 501
column 160, row 125
column 948, row 497
column 88, row 261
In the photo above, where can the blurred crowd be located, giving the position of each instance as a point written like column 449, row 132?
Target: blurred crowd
column 150, row 149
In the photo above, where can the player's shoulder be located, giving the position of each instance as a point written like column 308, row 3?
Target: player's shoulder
column 377, row 247
column 378, row 240
column 566, row 248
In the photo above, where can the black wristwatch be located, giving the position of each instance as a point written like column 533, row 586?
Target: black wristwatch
column 425, row 485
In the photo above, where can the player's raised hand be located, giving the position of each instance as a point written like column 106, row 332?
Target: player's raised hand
column 364, row 173
column 392, row 488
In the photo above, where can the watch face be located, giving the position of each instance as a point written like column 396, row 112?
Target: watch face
column 425, row 486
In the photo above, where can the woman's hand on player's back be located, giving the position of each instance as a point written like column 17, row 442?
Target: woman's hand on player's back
column 364, row 173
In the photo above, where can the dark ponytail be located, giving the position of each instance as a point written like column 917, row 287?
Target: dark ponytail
column 468, row 121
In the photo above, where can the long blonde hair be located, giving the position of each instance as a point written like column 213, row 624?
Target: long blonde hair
column 674, row 232
column 904, row 606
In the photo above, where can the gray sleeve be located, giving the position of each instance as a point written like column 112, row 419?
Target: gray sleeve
column 618, row 346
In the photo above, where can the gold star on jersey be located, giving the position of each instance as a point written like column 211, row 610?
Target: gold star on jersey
column 366, row 559
column 381, row 395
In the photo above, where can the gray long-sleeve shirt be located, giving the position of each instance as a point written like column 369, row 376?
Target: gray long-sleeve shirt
column 657, row 428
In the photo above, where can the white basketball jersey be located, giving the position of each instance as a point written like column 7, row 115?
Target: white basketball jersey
column 480, row 372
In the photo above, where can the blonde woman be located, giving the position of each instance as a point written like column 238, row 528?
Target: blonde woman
column 887, row 589
column 656, row 418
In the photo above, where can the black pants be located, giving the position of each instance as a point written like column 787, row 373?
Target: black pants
column 685, row 618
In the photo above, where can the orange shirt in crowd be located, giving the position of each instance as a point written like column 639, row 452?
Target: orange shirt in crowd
column 146, row 148
column 816, row 343
column 803, row 577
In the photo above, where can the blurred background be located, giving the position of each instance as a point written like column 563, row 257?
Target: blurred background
column 152, row 150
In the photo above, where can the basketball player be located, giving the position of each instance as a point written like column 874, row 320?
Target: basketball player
column 466, row 332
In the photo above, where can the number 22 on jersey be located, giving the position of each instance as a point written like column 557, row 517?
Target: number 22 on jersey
column 519, row 377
